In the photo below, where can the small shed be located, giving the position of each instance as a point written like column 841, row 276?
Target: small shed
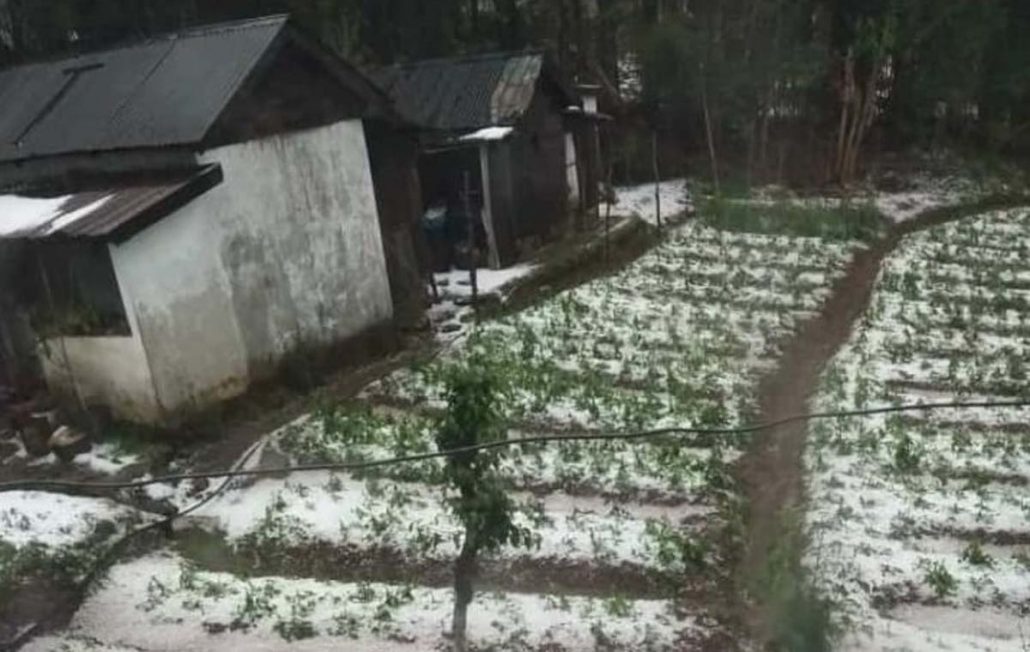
column 501, row 121
column 197, row 209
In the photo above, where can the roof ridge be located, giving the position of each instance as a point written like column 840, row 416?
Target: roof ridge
column 468, row 58
column 195, row 31
column 225, row 26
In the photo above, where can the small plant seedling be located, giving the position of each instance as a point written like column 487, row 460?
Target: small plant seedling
column 974, row 555
column 906, row 457
column 939, row 579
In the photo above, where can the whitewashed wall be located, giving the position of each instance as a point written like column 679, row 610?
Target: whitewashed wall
column 285, row 252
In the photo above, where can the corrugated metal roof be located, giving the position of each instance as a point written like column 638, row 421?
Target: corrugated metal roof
column 458, row 94
column 166, row 91
column 115, row 210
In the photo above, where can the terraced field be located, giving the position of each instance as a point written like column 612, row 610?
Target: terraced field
column 633, row 543
column 921, row 523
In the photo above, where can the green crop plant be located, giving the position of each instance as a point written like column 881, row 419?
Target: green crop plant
column 939, row 579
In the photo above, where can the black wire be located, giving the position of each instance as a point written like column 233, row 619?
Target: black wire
column 22, row 485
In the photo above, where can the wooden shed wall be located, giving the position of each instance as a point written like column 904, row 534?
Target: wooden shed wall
column 538, row 170
column 394, row 160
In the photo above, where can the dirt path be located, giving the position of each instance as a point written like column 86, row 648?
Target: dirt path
column 772, row 471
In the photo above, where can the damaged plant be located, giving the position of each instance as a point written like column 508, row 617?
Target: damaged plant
column 481, row 503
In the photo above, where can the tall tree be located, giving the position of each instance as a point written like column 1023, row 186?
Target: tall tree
column 482, row 503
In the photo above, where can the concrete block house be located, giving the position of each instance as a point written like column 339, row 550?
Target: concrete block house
column 184, row 213
column 511, row 125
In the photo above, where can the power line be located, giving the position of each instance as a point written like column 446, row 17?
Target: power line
column 25, row 485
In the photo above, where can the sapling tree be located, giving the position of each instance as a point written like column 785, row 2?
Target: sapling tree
column 480, row 499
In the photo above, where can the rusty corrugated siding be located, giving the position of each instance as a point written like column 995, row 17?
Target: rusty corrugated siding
column 123, row 205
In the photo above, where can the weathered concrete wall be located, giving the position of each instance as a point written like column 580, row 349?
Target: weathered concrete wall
column 302, row 248
column 173, row 282
column 286, row 253
column 110, row 371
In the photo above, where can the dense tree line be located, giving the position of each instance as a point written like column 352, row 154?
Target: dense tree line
column 752, row 84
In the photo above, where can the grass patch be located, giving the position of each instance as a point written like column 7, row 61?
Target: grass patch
column 844, row 221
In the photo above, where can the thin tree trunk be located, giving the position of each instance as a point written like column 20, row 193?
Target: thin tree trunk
column 464, row 577
column 657, row 179
column 752, row 136
column 763, row 158
column 869, row 113
column 861, row 122
column 842, row 131
column 474, row 18
column 708, row 132
column 847, row 94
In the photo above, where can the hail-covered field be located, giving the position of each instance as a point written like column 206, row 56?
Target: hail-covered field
column 48, row 542
column 629, row 539
column 920, row 522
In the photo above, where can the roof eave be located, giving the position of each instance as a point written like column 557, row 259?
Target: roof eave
column 206, row 179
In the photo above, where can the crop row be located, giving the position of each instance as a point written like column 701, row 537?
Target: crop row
column 927, row 513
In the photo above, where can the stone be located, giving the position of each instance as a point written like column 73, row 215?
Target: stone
column 67, row 442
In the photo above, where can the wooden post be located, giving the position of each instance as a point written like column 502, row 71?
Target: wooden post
column 7, row 351
column 657, row 178
column 473, row 259
column 433, row 287
column 494, row 252
column 598, row 160
column 609, row 191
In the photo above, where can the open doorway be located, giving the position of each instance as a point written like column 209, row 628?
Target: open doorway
column 448, row 214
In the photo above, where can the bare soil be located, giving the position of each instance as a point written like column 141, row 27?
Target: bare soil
column 32, row 606
column 772, row 472
column 345, row 563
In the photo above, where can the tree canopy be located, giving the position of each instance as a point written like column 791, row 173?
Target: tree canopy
column 812, row 81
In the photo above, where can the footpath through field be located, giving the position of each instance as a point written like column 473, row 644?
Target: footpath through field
column 773, row 471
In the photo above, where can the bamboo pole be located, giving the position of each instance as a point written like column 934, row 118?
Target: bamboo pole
column 472, row 258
